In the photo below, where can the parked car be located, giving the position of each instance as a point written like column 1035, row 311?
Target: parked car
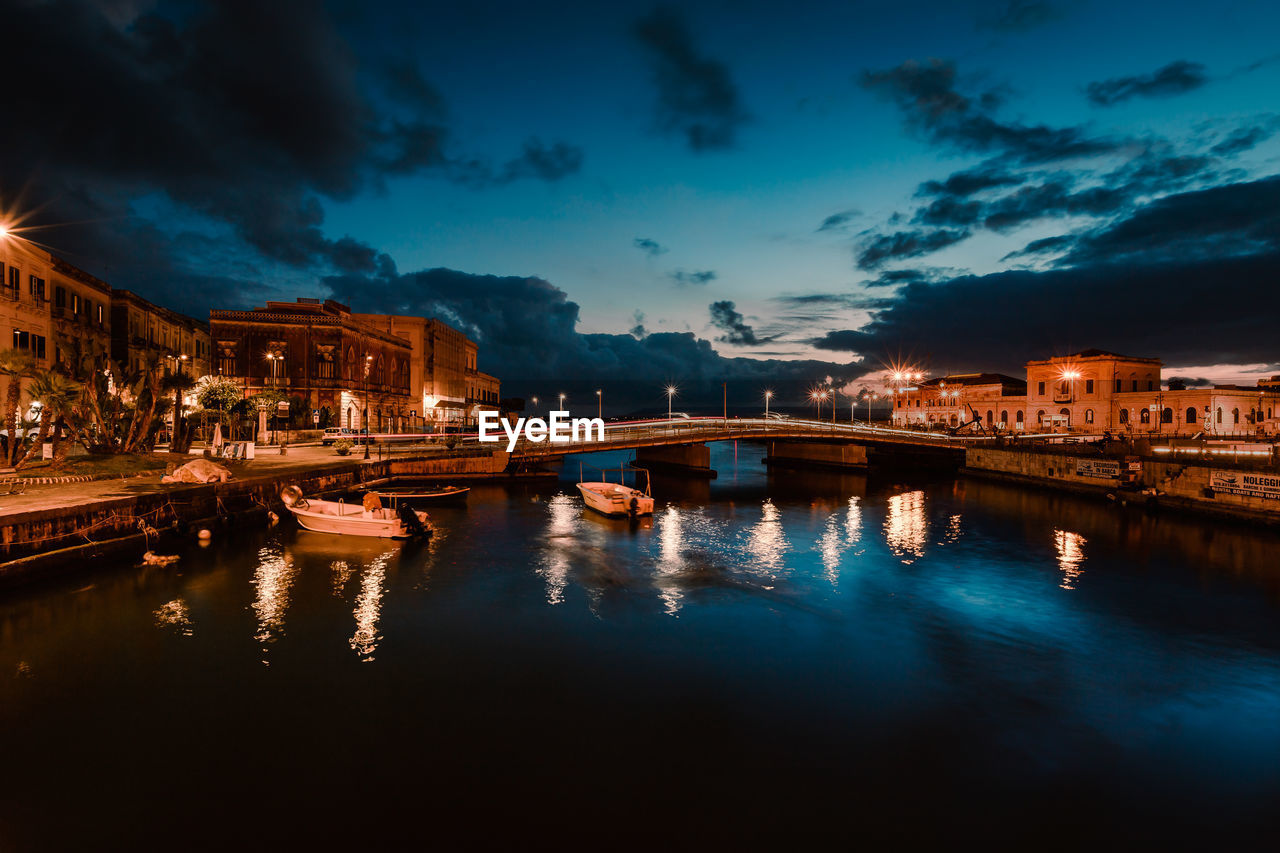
column 332, row 434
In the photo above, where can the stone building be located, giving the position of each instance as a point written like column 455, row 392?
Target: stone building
column 322, row 356
column 142, row 331
column 949, row 401
column 1081, row 392
column 26, row 322
column 443, row 374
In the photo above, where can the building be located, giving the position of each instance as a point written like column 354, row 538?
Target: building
column 326, row 359
column 443, row 372
column 949, row 401
column 1092, row 391
column 143, row 332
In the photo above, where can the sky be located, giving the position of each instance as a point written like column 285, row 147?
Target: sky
column 747, row 192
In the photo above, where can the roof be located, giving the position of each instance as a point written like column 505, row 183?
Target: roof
column 976, row 379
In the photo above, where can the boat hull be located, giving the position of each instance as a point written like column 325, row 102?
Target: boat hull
column 350, row 520
column 615, row 501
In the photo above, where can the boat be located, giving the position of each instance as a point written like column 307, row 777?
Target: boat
column 616, row 499
column 347, row 519
column 440, row 495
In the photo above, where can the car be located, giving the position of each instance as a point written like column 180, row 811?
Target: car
column 332, row 434
column 778, row 416
column 681, row 416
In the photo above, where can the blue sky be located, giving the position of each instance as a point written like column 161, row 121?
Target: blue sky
column 345, row 148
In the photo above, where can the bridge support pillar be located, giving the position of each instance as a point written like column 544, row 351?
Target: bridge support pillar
column 691, row 460
column 813, row 454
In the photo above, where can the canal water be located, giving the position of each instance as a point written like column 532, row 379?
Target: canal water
column 788, row 657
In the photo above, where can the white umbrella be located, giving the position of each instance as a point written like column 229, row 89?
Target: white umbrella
column 217, row 436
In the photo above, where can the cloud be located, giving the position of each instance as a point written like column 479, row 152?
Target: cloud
column 696, row 95
column 650, row 247
column 1043, row 246
column 932, row 106
column 1019, row 15
column 243, row 152
column 906, row 244
column 1176, row 78
column 638, row 331
column 845, row 340
column 1246, row 138
column 837, row 221
column 695, row 278
column 725, row 317
column 970, row 181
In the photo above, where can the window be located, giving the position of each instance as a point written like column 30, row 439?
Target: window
column 1191, row 415
column 991, row 417
column 325, row 367
column 1166, row 416
column 1134, row 383
column 34, row 344
column 100, row 314
column 1145, row 416
column 1040, row 388
column 1020, row 418
column 60, row 297
column 1124, row 416
column 1040, row 416
column 1151, row 386
column 1004, row 416
column 35, row 285
column 21, row 339
column 76, row 304
column 1219, row 414
column 15, row 278
column 1235, row 416
column 1088, row 416
column 1088, row 386
column 1118, row 386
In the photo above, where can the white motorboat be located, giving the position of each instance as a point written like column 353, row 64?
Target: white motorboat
column 355, row 519
column 616, row 499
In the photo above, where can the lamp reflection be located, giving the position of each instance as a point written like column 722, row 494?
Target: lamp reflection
column 837, row 538
column 1070, row 547
column 766, row 541
column 671, row 543
column 342, row 572
column 905, row 527
column 273, row 580
column 369, row 607
column 560, row 542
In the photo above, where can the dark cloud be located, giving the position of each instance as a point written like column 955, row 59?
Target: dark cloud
column 695, row 278
column 652, row 248
column 696, row 95
column 1246, row 138
column 1175, row 78
column 1019, row 15
column 970, row 181
column 1043, row 246
column 892, row 278
column 949, row 210
column 1161, row 271
column 837, row 221
column 933, row 107
column 906, row 244
column 236, row 119
column 726, row 318
column 547, row 163
column 638, row 331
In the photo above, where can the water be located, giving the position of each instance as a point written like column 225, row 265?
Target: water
column 787, row 658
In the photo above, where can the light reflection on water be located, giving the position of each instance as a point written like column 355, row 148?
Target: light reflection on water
column 767, row 542
column 837, row 538
column 671, row 559
column 563, row 514
column 272, row 581
column 364, row 642
column 906, row 527
column 1070, row 548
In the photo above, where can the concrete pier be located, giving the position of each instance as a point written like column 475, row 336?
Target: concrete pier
column 814, row 454
column 691, row 460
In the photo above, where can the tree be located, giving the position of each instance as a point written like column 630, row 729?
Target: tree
column 15, row 365
column 178, row 384
column 219, row 394
column 57, row 396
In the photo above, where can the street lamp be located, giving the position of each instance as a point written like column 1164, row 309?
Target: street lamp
column 671, row 392
column 562, row 396
column 870, row 397
column 368, row 362
column 535, row 405
column 600, row 403
column 768, row 395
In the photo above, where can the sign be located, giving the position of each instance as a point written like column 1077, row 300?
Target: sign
column 1246, row 483
column 282, row 407
column 315, row 418
column 1103, row 468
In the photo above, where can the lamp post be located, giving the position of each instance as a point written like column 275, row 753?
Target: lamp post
column 368, row 361
column 768, row 395
column 562, row 396
column 870, row 397
column 535, row 405
column 671, row 392
column 600, row 403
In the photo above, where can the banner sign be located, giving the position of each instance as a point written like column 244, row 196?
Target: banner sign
column 1103, row 468
column 1242, row 483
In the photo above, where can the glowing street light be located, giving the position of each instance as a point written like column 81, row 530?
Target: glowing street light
column 562, row 396
column 671, row 392
column 768, row 395
column 600, row 403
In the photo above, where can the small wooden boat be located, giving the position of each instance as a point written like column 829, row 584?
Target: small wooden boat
column 617, row 499
column 439, row 495
column 355, row 519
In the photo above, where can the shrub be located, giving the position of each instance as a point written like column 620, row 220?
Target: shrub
column 342, row 446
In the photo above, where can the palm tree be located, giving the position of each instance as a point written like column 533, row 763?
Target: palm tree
column 179, row 384
column 57, row 396
column 15, row 365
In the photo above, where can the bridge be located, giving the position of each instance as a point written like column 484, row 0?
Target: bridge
column 680, row 443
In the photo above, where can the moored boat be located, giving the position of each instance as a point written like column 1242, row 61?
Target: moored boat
column 441, row 494
column 616, row 499
column 355, row 519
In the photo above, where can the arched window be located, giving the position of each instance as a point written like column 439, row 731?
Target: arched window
column 1004, row 416
column 1020, row 418
column 1066, row 413
column 1040, row 417
column 1235, row 416
column 1166, row 417
column 991, row 417
column 1088, row 416
column 350, row 370
column 1124, row 416
column 1144, row 415
column 1219, row 414
column 1191, row 415
column 954, row 419
column 350, row 416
